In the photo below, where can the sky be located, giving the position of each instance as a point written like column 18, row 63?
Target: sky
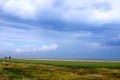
column 60, row 29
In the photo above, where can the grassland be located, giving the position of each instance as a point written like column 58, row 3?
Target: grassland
column 18, row 69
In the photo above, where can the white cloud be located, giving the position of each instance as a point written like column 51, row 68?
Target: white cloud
column 2, row 2
column 25, row 9
column 92, row 10
column 41, row 49
column 102, row 11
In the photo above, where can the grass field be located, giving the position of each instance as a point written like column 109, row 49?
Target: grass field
column 18, row 69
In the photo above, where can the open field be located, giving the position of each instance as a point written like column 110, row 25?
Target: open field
column 18, row 69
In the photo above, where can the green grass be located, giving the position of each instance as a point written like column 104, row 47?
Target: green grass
column 18, row 69
column 71, row 64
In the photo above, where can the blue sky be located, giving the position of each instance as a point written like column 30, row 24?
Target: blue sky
column 60, row 29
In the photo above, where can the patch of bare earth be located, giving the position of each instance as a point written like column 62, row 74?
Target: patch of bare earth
column 2, row 79
column 95, row 75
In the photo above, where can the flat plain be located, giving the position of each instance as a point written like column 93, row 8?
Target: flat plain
column 21, row 69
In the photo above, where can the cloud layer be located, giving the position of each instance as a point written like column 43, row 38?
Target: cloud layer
column 78, row 27
column 74, row 11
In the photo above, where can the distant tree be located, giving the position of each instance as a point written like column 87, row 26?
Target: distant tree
column 9, row 57
column 5, row 57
